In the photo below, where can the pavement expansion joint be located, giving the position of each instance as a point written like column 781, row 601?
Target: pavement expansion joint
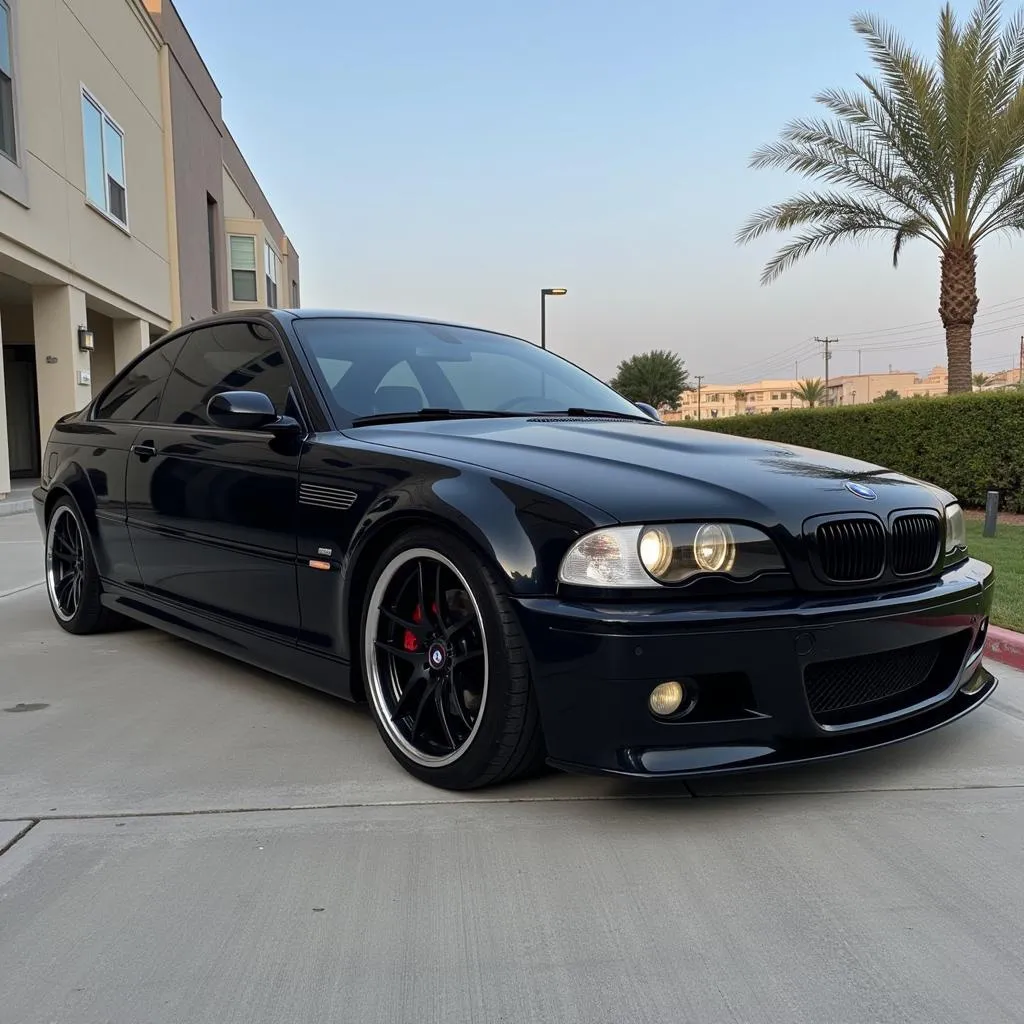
column 21, row 835
column 596, row 798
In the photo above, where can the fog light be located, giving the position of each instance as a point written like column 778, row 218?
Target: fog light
column 666, row 698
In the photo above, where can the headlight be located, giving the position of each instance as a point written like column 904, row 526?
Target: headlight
column 956, row 529
column 636, row 556
column 656, row 551
column 713, row 548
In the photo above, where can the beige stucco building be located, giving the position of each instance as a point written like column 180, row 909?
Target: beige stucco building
column 120, row 191
column 779, row 395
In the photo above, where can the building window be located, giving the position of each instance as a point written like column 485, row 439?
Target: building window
column 243, row 268
column 8, row 142
column 211, row 239
column 105, row 185
column 295, row 294
column 271, row 260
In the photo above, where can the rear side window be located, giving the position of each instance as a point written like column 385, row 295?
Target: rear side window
column 136, row 394
column 225, row 357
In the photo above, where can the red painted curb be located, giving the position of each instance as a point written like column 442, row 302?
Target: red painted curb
column 1005, row 646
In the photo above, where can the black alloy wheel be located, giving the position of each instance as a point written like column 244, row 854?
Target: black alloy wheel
column 445, row 667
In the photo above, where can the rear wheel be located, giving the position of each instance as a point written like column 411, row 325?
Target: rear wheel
column 72, row 580
column 445, row 666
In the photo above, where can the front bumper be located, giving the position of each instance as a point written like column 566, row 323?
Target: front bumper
column 749, row 663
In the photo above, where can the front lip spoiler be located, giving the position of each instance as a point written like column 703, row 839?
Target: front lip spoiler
column 735, row 759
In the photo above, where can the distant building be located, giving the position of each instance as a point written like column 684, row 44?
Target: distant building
column 777, row 395
column 720, row 400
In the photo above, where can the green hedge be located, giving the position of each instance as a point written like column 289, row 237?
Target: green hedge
column 968, row 444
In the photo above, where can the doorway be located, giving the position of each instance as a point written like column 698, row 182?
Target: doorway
column 23, row 439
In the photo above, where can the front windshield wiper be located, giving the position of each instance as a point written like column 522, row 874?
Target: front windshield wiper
column 412, row 415
column 607, row 414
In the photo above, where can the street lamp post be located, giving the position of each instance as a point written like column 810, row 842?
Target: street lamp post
column 544, row 293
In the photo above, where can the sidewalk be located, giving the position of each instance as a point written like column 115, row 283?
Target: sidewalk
column 20, row 498
column 21, row 553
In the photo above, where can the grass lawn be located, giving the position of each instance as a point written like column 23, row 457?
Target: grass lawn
column 1006, row 552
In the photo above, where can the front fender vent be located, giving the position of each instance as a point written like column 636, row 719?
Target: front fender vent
column 326, row 497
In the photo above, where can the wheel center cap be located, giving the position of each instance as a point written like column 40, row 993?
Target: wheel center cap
column 437, row 656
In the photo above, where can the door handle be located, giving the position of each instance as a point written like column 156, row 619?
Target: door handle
column 146, row 450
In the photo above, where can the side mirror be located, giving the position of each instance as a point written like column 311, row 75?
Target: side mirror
column 649, row 410
column 248, row 410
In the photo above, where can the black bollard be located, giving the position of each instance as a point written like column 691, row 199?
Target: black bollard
column 991, row 513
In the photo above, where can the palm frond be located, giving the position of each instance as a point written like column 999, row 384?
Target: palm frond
column 910, row 93
column 1002, row 211
column 833, row 218
column 912, row 227
column 965, row 57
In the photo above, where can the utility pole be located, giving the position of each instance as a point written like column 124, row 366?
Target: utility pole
column 700, row 380
column 858, row 362
column 828, row 355
column 1020, row 365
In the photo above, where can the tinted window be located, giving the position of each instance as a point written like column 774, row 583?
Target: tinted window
column 401, row 366
column 228, row 357
column 136, row 395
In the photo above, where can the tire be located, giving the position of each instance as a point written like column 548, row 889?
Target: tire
column 72, row 580
column 445, row 667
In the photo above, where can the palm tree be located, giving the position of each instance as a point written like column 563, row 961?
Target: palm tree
column 981, row 380
column 927, row 149
column 810, row 391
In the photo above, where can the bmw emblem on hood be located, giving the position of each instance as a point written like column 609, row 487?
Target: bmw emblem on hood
column 861, row 490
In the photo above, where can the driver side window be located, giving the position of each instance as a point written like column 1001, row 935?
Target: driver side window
column 225, row 357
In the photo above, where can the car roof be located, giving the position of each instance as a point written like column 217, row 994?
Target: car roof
column 337, row 314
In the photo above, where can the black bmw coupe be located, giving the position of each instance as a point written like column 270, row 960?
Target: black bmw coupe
column 509, row 561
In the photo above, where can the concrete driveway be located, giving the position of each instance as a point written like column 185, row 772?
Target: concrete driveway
column 190, row 840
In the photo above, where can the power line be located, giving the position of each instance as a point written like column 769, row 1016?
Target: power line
column 927, row 323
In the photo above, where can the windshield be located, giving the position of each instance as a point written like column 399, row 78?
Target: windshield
column 379, row 367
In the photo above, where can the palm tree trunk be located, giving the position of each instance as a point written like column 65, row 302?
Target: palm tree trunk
column 958, row 303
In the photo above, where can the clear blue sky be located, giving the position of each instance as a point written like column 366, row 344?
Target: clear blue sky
column 450, row 158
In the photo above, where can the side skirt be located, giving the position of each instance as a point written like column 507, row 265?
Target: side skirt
column 331, row 675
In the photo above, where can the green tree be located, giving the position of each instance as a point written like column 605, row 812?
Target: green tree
column 929, row 149
column 981, row 380
column 810, row 391
column 889, row 396
column 657, row 378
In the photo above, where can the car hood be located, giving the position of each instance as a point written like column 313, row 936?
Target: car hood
column 645, row 472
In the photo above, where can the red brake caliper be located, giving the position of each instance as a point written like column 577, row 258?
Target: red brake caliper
column 409, row 641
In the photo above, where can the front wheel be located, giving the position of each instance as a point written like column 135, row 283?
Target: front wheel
column 445, row 666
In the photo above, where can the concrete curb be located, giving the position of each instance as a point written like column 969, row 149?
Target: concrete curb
column 15, row 507
column 1006, row 647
